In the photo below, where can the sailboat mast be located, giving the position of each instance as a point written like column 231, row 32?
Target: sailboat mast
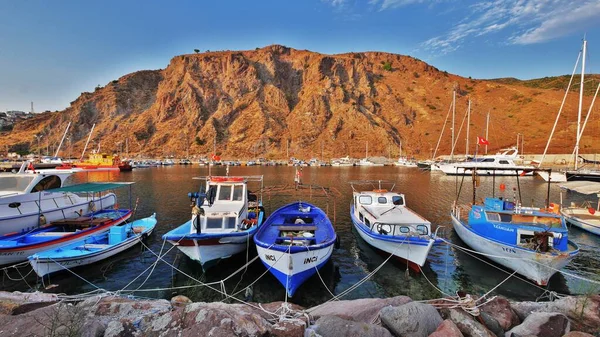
column 468, row 127
column 487, row 129
column 87, row 141
column 367, row 150
column 62, row 140
column 453, row 119
column 580, row 105
column 400, row 148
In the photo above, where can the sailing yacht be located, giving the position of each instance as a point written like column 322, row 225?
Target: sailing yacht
column 365, row 161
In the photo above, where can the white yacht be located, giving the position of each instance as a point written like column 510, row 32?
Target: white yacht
column 344, row 161
column 26, row 204
column 500, row 164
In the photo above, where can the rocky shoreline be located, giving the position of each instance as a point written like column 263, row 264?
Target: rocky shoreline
column 41, row 314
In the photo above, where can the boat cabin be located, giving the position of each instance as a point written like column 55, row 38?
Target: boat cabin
column 386, row 213
column 23, row 183
column 528, row 227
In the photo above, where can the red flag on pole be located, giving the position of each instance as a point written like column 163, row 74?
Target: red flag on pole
column 482, row 141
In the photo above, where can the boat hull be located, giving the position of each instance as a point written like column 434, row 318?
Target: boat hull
column 27, row 216
column 459, row 171
column 293, row 269
column 554, row 176
column 583, row 176
column 412, row 249
column 590, row 223
column 10, row 254
column 44, row 264
column 537, row 267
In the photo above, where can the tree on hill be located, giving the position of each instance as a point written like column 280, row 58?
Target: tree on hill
column 196, row 51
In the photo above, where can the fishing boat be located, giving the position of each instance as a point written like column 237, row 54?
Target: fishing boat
column 29, row 199
column 584, row 216
column 383, row 220
column 405, row 162
column 533, row 242
column 344, row 161
column 94, row 248
column 501, row 163
column 17, row 247
column 294, row 242
column 103, row 161
column 225, row 217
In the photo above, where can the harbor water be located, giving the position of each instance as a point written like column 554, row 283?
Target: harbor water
column 449, row 269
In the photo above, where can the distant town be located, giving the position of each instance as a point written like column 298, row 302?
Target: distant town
column 9, row 118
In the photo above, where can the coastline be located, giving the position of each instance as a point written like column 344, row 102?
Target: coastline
column 45, row 314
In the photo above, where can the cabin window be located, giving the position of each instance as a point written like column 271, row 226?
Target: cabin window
column 361, row 217
column 404, row 229
column 504, row 162
column 422, row 229
column 488, row 160
column 397, row 200
column 225, row 192
column 493, row 216
column 367, row 222
column 230, row 222
column 46, row 184
column 16, row 184
column 365, row 200
column 214, row 223
column 238, row 192
column 382, row 200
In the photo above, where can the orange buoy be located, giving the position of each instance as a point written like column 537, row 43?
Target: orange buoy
column 502, row 187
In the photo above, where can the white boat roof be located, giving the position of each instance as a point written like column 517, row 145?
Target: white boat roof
column 395, row 215
column 583, row 187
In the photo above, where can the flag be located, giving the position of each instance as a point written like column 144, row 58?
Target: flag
column 482, row 141
column 214, row 157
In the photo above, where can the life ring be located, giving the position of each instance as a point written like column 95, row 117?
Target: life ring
column 92, row 206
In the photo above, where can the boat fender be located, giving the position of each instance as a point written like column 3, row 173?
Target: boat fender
column 42, row 219
column 92, row 206
column 337, row 242
column 14, row 204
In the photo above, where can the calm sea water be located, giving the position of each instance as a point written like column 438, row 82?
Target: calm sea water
column 164, row 190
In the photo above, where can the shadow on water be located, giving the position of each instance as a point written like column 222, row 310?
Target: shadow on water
column 164, row 190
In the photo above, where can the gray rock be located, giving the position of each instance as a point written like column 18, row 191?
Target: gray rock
column 333, row 326
column 363, row 310
column 582, row 311
column 578, row 334
column 447, row 329
column 466, row 324
column 491, row 323
column 220, row 319
column 413, row 319
column 93, row 327
column 500, row 309
column 542, row 324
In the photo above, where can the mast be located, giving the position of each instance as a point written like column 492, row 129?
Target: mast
column 87, row 141
column 400, row 148
column 468, row 127
column 487, row 129
column 367, row 150
column 580, row 104
column 63, row 139
column 453, row 119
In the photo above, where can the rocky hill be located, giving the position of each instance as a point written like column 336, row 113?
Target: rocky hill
column 275, row 101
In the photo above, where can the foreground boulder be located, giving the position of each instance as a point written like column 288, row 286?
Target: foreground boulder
column 17, row 303
column 447, row 329
column 363, row 310
column 413, row 319
column 499, row 308
column 582, row 311
column 542, row 324
column 466, row 324
column 333, row 326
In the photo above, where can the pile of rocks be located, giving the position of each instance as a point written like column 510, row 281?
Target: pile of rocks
column 41, row 314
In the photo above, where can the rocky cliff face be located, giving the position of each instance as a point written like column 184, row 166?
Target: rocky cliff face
column 276, row 100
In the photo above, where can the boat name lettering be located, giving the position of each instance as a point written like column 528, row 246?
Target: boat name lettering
column 509, row 250
column 476, row 215
column 11, row 253
column 504, row 228
column 270, row 257
column 310, row 260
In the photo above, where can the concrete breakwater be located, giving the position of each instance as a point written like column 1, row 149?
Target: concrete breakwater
column 40, row 314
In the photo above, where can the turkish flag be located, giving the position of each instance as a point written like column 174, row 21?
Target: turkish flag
column 215, row 157
column 482, row 141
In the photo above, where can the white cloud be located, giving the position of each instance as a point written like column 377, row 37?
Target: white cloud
column 530, row 21
column 334, row 3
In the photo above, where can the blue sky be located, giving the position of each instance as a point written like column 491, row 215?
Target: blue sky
column 51, row 51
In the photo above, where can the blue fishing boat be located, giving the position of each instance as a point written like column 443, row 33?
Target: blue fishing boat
column 294, row 242
column 17, row 247
column 93, row 248
column 225, row 217
column 529, row 240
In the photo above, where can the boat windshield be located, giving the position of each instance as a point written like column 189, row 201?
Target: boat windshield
column 15, row 183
